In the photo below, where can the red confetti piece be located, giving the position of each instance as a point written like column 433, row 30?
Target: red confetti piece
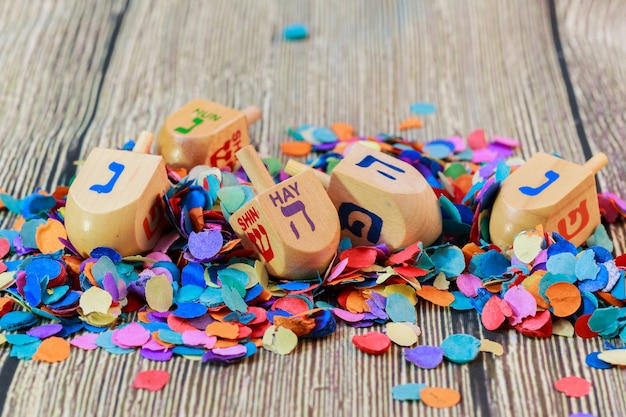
column 152, row 380
column 573, row 386
column 375, row 343
column 360, row 257
column 581, row 327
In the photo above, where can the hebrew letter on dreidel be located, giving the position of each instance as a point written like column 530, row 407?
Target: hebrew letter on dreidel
column 294, row 208
column 117, row 169
column 579, row 216
column 154, row 219
column 551, row 177
column 368, row 160
column 259, row 237
column 356, row 227
column 185, row 130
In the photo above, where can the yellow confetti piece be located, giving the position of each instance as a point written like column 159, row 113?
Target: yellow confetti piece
column 48, row 234
column 53, row 349
column 562, row 327
column 95, row 300
column 3, row 339
column 279, row 340
column 159, row 293
column 490, row 346
column 526, row 246
column 7, row 279
column 441, row 282
column 405, row 290
column 401, row 333
column 614, row 357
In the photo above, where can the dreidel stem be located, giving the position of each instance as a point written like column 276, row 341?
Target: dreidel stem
column 252, row 114
column 294, row 167
column 144, row 142
column 597, row 162
column 255, row 168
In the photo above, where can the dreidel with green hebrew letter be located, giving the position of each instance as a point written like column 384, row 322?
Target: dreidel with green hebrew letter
column 292, row 225
column 116, row 201
column 549, row 191
column 205, row 133
column 380, row 199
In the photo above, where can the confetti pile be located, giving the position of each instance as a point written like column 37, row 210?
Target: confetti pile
column 201, row 295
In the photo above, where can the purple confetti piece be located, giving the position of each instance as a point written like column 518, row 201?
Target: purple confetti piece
column 45, row 330
column 110, row 285
column 522, row 303
column 205, row 244
column 160, row 356
column 425, row 356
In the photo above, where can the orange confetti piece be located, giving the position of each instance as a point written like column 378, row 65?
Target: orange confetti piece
column 48, row 234
column 6, row 305
column 223, row 329
column 435, row 296
column 52, row 349
column 438, row 397
column 411, row 123
column 343, row 131
column 564, row 298
column 299, row 325
column 296, row 148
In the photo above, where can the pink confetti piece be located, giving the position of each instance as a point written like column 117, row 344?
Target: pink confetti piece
column 468, row 284
column 522, row 303
column 477, row 140
column 130, row 336
column 85, row 341
column 348, row 316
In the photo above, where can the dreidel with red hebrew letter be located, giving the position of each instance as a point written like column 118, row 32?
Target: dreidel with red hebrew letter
column 205, row 133
column 380, row 199
column 549, row 191
column 292, row 226
column 116, row 201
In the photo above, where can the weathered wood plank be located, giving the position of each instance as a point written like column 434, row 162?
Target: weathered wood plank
column 485, row 64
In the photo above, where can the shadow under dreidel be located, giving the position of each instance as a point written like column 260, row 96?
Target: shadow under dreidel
column 292, row 225
column 116, row 201
column 380, row 199
column 205, row 133
column 549, row 191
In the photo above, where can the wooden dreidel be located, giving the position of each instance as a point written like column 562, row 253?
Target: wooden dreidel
column 205, row 133
column 116, row 200
column 380, row 199
column 549, row 191
column 292, row 225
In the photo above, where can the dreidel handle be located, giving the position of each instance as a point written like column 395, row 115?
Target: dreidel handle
column 252, row 114
column 597, row 162
column 294, row 167
column 255, row 168
column 144, row 142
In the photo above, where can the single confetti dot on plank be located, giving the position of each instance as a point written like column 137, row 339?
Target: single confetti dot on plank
column 295, row 32
column 491, row 346
column 53, row 349
column 460, row 348
column 614, row 357
column 424, row 356
column 438, row 397
column 402, row 334
column 374, row 343
column 411, row 123
column 423, row 108
column 151, row 380
column 573, row 386
column 407, row 392
column 279, row 340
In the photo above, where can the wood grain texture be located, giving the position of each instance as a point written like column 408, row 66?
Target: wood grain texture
column 76, row 75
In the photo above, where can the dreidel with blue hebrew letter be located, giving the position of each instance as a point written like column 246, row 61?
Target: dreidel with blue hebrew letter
column 205, row 133
column 549, row 191
column 292, row 225
column 116, row 201
column 380, row 199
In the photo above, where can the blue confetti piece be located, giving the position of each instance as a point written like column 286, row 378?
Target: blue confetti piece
column 41, row 267
column 37, row 205
column 325, row 324
column 295, row 32
column 400, row 309
column 188, row 294
column 170, row 336
column 234, row 278
column 104, row 340
column 32, row 291
column 407, row 392
column 461, row 301
column 17, row 320
column 439, row 149
column 460, row 348
column 449, row 260
column 597, row 284
column 102, row 251
column 212, row 297
column 190, row 310
column 585, row 267
column 188, row 351
column 28, row 231
column 233, row 300
column 193, row 274
column 602, row 255
column 21, row 339
column 324, row 135
column 52, row 295
column 68, row 300
column 593, row 361
column 251, row 349
column 423, row 108
column 25, row 352
column 253, row 292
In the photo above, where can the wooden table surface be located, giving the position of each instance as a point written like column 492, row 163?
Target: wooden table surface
column 80, row 74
